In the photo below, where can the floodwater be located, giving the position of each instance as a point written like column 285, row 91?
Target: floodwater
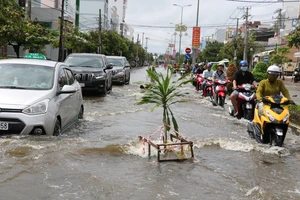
column 102, row 158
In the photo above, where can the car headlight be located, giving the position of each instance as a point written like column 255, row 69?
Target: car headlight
column 38, row 108
column 117, row 71
column 98, row 76
column 270, row 116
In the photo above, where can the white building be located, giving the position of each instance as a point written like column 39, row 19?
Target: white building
column 89, row 14
column 220, row 35
column 291, row 13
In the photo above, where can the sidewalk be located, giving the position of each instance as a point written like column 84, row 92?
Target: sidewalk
column 294, row 89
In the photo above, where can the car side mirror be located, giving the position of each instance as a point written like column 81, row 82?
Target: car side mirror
column 109, row 66
column 67, row 89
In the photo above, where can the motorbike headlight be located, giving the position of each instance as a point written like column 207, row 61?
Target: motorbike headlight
column 286, row 118
column 270, row 116
column 37, row 108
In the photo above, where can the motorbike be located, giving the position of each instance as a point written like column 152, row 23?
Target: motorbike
column 208, row 89
column 221, row 91
column 199, row 81
column 246, row 100
column 273, row 124
column 296, row 76
column 182, row 71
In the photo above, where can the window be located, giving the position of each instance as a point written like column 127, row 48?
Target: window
column 70, row 76
column 62, row 81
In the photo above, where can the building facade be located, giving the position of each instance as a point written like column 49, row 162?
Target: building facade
column 220, row 35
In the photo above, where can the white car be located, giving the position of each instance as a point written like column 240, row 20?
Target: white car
column 38, row 97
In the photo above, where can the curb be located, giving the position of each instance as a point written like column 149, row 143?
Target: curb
column 294, row 125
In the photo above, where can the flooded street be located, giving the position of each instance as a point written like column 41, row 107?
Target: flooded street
column 102, row 158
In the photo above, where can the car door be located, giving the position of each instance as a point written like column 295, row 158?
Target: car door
column 64, row 100
column 75, row 99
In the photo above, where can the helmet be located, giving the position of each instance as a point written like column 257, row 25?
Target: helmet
column 201, row 64
column 274, row 70
column 209, row 65
column 221, row 64
column 243, row 63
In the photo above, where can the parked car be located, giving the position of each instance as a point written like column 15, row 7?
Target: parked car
column 92, row 71
column 121, row 69
column 38, row 97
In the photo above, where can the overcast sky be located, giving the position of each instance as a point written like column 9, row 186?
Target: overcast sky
column 212, row 12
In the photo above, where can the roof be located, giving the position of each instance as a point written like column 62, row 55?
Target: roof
column 87, row 54
column 30, row 61
column 119, row 57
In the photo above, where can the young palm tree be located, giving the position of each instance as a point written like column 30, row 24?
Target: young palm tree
column 162, row 92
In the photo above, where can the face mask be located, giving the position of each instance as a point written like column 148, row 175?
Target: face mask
column 244, row 69
column 272, row 79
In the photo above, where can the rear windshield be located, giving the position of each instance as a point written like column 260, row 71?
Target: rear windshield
column 116, row 62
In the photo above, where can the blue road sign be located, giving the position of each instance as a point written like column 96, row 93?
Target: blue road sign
column 188, row 56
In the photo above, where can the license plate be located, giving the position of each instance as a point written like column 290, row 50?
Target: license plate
column 4, row 126
column 81, row 84
column 249, row 106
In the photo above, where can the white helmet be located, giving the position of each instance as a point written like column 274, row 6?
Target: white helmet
column 273, row 69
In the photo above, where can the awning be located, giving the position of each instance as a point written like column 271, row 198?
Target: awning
column 297, row 55
column 265, row 53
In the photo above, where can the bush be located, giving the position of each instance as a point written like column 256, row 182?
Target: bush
column 294, row 113
column 3, row 57
column 215, row 67
column 260, row 71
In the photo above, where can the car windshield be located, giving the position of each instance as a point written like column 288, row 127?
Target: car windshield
column 116, row 62
column 84, row 61
column 26, row 76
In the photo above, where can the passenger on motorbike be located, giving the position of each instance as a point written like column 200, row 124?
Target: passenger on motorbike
column 240, row 77
column 200, row 69
column 219, row 75
column 271, row 86
column 195, row 68
column 208, row 73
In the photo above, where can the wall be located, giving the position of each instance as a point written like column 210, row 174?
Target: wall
column 291, row 13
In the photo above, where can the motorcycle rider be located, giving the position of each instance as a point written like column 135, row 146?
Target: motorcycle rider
column 240, row 77
column 219, row 75
column 200, row 69
column 271, row 86
column 208, row 73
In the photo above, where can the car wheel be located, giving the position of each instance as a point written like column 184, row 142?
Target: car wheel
column 57, row 128
column 128, row 80
column 104, row 92
column 80, row 114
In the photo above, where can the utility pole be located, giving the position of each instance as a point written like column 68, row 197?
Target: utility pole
column 143, row 40
column 245, row 31
column 235, row 42
column 29, row 9
column 137, row 39
column 99, row 33
column 77, row 13
column 147, row 44
column 194, row 49
column 60, row 47
column 279, row 26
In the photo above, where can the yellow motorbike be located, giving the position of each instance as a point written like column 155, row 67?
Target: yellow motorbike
column 272, row 124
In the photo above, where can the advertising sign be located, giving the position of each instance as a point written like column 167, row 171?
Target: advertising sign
column 196, row 37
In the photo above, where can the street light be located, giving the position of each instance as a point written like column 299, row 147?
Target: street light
column 180, row 35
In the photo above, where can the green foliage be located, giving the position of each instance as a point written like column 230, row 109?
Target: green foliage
column 16, row 30
column 293, row 39
column 294, row 113
column 215, row 67
column 260, row 71
column 211, row 52
column 163, row 92
column 279, row 56
column 227, row 51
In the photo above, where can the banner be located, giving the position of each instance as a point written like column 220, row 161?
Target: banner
column 196, row 37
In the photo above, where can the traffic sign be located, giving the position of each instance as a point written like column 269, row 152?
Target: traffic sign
column 37, row 56
column 188, row 56
column 188, row 50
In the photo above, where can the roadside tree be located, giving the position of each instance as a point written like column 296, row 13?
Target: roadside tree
column 279, row 56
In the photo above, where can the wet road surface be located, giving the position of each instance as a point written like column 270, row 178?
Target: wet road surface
column 101, row 157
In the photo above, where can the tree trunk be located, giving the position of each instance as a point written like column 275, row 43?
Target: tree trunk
column 165, row 125
column 17, row 49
